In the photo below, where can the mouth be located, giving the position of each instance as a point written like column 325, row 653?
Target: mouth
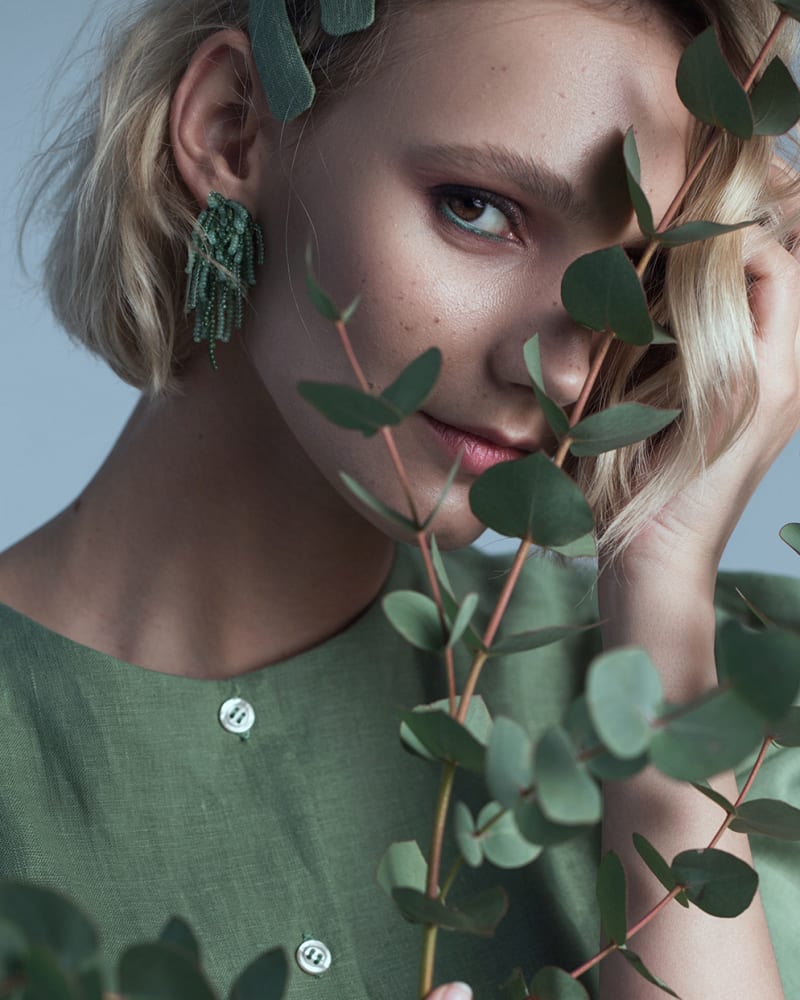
column 480, row 450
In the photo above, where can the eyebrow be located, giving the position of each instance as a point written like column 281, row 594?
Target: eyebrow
column 533, row 177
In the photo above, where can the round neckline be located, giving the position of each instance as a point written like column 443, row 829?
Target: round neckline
column 402, row 566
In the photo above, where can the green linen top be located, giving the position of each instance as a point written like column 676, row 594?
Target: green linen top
column 120, row 787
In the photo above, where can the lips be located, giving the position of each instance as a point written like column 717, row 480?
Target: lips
column 479, row 451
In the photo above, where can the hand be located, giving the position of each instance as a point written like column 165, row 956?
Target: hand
column 451, row 991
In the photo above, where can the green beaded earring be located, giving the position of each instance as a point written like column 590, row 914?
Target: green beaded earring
column 227, row 243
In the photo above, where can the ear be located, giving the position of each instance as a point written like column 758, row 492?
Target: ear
column 217, row 121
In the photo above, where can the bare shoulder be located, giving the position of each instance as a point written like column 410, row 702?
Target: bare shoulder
column 32, row 573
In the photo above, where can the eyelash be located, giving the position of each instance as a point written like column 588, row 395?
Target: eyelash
column 488, row 199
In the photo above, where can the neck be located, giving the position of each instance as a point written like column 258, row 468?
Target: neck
column 208, row 545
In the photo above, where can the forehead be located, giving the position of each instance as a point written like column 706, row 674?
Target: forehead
column 560, row 81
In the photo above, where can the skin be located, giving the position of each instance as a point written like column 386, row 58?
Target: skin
column 249, row 512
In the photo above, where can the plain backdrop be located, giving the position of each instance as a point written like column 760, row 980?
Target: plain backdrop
column 60, row 409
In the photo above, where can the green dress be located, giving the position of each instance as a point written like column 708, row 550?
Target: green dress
column 121, row 787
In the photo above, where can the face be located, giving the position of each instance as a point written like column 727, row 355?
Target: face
column 451, row 192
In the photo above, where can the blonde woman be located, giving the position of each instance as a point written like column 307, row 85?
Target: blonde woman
column 215, row 580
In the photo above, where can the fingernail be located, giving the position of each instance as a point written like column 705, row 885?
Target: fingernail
column 457, row 991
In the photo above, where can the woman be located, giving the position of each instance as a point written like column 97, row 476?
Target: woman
column 456, row 160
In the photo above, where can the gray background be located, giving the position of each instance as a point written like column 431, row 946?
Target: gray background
column 61, row 410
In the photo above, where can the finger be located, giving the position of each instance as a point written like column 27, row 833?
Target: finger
column 451, row 991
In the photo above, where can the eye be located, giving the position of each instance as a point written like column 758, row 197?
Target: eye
column 480, row 213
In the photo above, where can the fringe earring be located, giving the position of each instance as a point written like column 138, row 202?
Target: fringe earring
column 227, row 243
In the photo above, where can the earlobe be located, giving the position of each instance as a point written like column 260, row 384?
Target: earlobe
column 216, row 121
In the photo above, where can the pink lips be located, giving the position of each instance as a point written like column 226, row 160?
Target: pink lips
column 478, row 453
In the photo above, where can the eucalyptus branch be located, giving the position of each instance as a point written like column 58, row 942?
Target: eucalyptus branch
column 667, row 899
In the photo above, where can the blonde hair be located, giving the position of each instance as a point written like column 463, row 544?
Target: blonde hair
column 114, row 270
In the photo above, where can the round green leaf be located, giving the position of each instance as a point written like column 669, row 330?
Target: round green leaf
column 713, row 736
column 786, row 733
column 566, row 792
column 416, row 618
column 161, row 972
column 790, row 533
column 445, row 739
column 264, row 979
column 348, row 407
column 768, row 818
column 636, row 963
column 612, row 898
column 618, row 426
column 50, row 921
column 714, row 796
column 717, row 882
column 468, row 843
column 45, row 980
column 531, row 498
column 708, row 88
column 538, row 829
column 413, row 386
column 762, row 667
column 509, row 762
column 633, row 170
column 551, row 983
column 602, row 291
column 623, row 695
column 523, row 642
column 515, row 987
column 402, row 865
column 775, row 100
column 462, row 619
column 503, row 844
column 554, row 415
column 587, row 743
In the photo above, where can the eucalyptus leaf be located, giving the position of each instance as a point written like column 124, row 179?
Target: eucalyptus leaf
column 708, row 88
column 584, row 547
column 161, row 972
column 768, row 818
column 551, row 983
column 699, row 231
column 612, row 898
column 464, row 828
column 660, row 335
column 618, row 426
column 319, row 299
column 602, row 291
column 743, row 658
column 341, row 17
column 413, row 386
column 503, row 844
column 658, row 866
column 394, row 516
column 515, row 987
column 791, row 7
column 717, row 882
column 716, row 734
column 13, row 948
column 178, row 933
column 790, row 533
column 716, row 797
column 416, row 618
column 45, row 980
column 602, row 764
column 443, row 494
column 348, row 407
column 265, row 978
column 624, row 695
column 566, row 792
column 775, row 100
column 538, row 829
column 462, row 619
column 531, row 498
column 480, row 915
column 51, row 921
column 786, row 733
column 523, row 642
column 509, row 762
column 633, row 169
column 446, row 739
column 636, row 963
column 402, row 866
column 554, row 415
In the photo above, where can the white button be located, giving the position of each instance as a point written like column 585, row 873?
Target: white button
column 313, row 957
column 237, row 716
